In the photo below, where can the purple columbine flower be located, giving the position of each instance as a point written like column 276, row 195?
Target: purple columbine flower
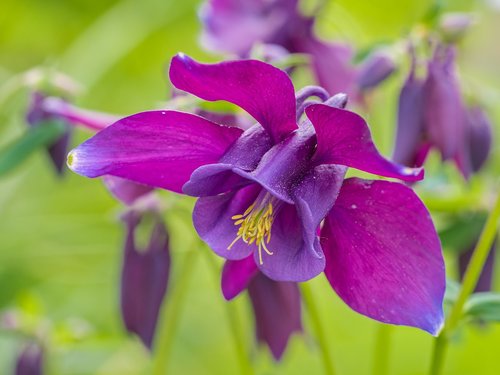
column 276, row 304
column 30, row 360
column 264, row 192
column 432, row 115
column 235, row 26
column 144, row 278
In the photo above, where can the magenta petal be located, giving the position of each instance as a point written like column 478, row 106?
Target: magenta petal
column 277, row 311
column 236, row 275
column 384, row 256
column 157, row 148
column 344, row 138
column 212, row 220
column 293, row 259
column 264, row 91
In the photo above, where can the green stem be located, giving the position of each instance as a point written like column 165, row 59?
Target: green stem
column 318, row 328
column 170, row 313
column 470, row 279
column 234, row 324
column 381, row 351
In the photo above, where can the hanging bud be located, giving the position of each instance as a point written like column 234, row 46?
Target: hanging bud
column 277, row 311
column 453, row 26
column 374, row 70
column 30, row 360
column 59, row 148
column 410, row 125
column 144, row 278
column 480, row 137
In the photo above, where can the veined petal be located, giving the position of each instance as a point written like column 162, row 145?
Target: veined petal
column 277, row 312
column 292, row 259
column 219, row 178
column 315, row 196
column 384, row 256
column 157, row 148
column 212, row 219
column 344, row 138
column 236, row 275
column 264, row 91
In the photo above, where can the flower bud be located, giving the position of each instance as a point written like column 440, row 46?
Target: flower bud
column 30, row 360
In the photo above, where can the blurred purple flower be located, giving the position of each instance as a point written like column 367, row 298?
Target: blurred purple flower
column 235, row 26
column 432, row 115
column 30, row 360
column 265, row 191
column 276, row 305
column 485, row 282
column 144, row 278
column 59, row 148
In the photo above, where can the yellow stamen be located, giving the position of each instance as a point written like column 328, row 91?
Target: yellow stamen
column 255, row 226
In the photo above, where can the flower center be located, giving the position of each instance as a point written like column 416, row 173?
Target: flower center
column 255, row 224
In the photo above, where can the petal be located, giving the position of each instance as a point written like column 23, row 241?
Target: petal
column 293, row 258
column 236, row 275
column 284, row 164
column 157, row 148
column 277, row 311
column 384, row 256
column 212, row 220
column 480, row 136
column 264, row 91
column 315, row 196
column 124, row 190
column 344, row 138
column 219, row 178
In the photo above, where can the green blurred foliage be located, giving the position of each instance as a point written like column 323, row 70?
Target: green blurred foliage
column 60, row 240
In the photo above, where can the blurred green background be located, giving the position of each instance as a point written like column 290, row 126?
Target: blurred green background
column 60, row 240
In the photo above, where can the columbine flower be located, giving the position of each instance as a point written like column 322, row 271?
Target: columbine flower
column 265, row 191
column 433, row 115
column 145, row 275
column 236, row 26
column 276, row 305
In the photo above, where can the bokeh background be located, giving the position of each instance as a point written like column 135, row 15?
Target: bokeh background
column 60, row 239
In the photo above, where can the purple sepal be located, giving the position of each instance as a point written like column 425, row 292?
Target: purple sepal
column 246, row 83
column 344, row 138
column 144, row 277
column 236, row 275
column 277, row 311
column 384, row 256
column 30, row 360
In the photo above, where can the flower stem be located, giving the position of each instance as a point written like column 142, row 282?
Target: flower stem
column 241, row 352
column 318, row 327
column 470, row 279
column 170, row 313
column 381, row 350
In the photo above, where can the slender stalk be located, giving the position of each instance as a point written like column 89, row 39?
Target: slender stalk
column 382, row 349
column 470, row 279
column 318, row 328
column 234, row 324
column 170, row 313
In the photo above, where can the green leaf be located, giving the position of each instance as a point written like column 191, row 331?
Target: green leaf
column 463, row 232
column 36, row 137
column 483, row 307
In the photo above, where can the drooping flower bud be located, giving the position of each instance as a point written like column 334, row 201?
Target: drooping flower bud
column 485, row 281
column 480, row 137
column 374, row 70
column 30, row 360
column 59, row 148
column 144, row 278
column 277, row 311
column 453, row 26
